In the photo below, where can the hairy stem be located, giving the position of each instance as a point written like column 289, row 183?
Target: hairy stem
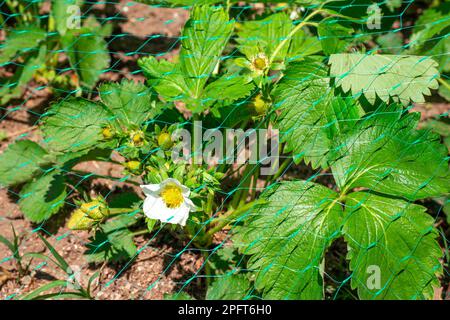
column 242, row 187
column 196, row 152
column 209, row 204
column 117, row 211
column 444, row 83
column 292, row 33
column 220, row 222
column 139, row 232
column 287, row 162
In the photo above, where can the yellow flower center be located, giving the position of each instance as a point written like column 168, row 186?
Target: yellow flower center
column 259, row 63
column 133, row 165
column 107, row 133
column 164, row 140
column 137, row 138
column 172, row 196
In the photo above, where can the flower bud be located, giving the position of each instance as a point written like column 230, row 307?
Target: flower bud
column 137, row 138
column 95, row 209
column 107, row 133
column 79, row 221
column 260, row 106
column 165, row 141
column 132, row 165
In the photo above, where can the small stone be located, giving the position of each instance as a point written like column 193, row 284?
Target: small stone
column 26, row 280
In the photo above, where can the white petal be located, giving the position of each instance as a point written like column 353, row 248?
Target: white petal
column 155, row 208
column 175, row 216
column 185, row 191
column 180, row 215
column 190, row 204
column 153, row 205
column 186, row 215
column 151, row 189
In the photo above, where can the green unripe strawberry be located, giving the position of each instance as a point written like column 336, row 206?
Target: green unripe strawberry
column 260, row 63
column 80, row 221
column 107, row 133
column 260, row 106
column 95, row 209
column 165, row 141
column 137, row 138
column 132, row 165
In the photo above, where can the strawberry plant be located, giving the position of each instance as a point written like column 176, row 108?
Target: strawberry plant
column 340, row 107
column 35, row 43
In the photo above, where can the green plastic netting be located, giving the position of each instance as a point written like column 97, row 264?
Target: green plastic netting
column 357, row 205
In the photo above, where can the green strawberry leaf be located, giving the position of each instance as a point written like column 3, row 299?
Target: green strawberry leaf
column 334, row 36
column 229, row 287
column 385, row 153
column 264, row 36
column 88, row 54
column 103, row 30
column 303, row 97
column 113, row 242
column 228, row 88
column 430, row 35
column 391, row 43
column 402, row 78
column 130, row 102
column 75, row 124
column 43, row 197
column 62, row 11
column 342, row 117
column 165, row 77
column 20, row 162
column 67, row 160
column 444, row 92
column 397, row 244
column 204, row 38
column 21, row 40
column 287, row 238
column 23, row 74
column 178, row 296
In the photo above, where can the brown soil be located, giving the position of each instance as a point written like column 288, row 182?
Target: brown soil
column 158, row 269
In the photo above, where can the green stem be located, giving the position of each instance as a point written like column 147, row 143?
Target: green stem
column 446, row 249
column 51, row 24
column 139, row 232
column 117, row 211
column 196, row 152
column 280, row 171
column 228, row 7
column 291, row 34
column 220, row 222
column 241, row 188
column 209, row 203
column 444, row 83
column 251, row 181
column 207, row 268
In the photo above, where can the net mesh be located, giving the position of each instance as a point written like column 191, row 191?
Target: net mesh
column 42, row 63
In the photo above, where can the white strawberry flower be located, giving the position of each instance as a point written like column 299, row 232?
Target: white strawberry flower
column 167, row 201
